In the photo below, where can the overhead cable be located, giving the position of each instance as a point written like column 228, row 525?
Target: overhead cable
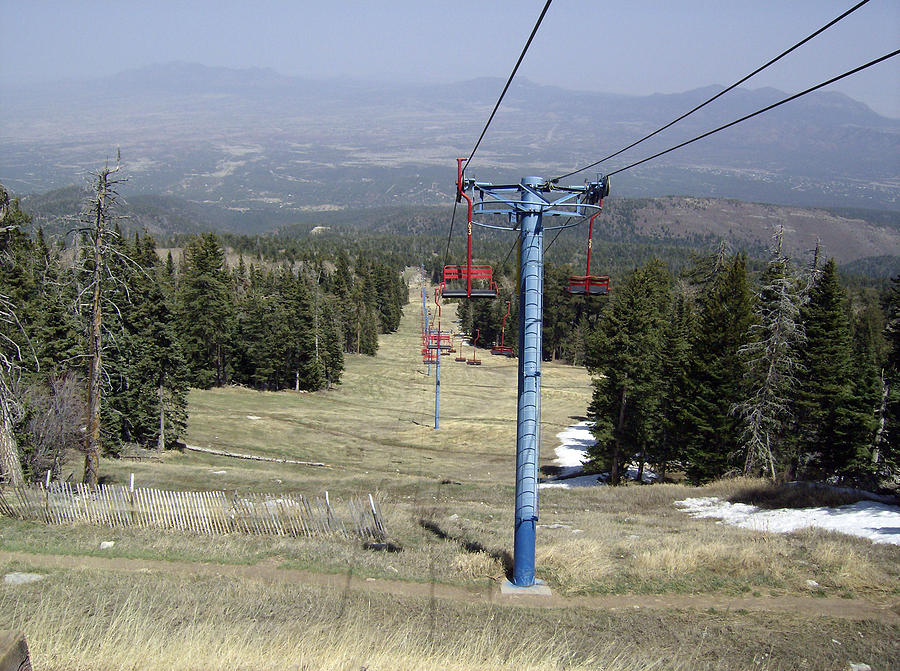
column 719, row 94
column 509, row 81
column 493, row 112
column 760, row 111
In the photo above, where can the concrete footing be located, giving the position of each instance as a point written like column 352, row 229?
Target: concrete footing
column 539, row 588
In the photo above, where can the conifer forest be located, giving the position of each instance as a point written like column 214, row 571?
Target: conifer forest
column 102, row 315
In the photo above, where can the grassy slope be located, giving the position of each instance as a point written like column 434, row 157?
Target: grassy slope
column 448, row 500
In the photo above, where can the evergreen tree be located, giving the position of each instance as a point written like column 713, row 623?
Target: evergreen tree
column 887, row 455
column 679, row 337
column 827, row 428
column 148, row 397
column 205, row 310
column 332, row 346
column 724, row 315
column 869, row 358
column 306, row 346
column 626, row 359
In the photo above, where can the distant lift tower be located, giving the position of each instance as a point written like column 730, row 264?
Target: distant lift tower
column 524, row 206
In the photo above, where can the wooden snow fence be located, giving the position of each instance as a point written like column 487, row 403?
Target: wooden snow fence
column 207, row 513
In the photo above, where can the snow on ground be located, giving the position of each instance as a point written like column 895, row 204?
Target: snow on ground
column 876, row 521
column 571, row 455
column 569, row 483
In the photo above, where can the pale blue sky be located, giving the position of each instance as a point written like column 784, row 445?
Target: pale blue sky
column 630, row 46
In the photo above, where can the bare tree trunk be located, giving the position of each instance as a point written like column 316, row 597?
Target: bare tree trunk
column 219, row 358
column 617, row 441
column 161, row 441
column 882, row 409
column 100, row 206
column 770, row 458
column 10, row 466
column 640, row 471
column 92, row 437
column 316, row 316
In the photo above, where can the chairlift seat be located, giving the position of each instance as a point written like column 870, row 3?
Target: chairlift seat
column 588, row 285
column 458, row 282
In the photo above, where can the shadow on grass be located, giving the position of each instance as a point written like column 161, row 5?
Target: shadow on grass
column 502, row 556
column 799, row 495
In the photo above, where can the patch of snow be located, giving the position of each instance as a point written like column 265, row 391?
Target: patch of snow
column 253, row 417
column 218, row 472
column 571, row 455
column 106, row 545
column 879, row 522
column 17, row 578
column 571, row 483
column 574, row 444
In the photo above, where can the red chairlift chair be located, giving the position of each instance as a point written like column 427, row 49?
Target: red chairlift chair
column 458, row 279
column 587, row 284
column 501, row 349
column 437, row 339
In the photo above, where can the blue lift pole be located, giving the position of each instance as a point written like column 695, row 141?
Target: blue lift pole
column 531, row 239
column 528, row 204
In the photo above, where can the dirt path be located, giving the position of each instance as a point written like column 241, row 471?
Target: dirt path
column 850, row 609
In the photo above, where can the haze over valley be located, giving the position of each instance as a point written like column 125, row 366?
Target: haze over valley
column 247, row 139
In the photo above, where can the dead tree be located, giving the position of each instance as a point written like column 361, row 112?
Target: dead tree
column 98, row 214
column 10, row 464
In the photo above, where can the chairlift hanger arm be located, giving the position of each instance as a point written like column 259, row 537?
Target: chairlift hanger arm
column 577, row 200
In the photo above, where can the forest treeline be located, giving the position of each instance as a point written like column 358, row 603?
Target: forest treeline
column 717, row 369
column 169, row 326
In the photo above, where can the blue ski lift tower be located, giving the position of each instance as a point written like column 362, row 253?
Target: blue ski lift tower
column 524, row 207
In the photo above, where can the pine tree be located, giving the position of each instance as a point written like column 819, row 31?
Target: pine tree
column 724, row 315
column 869, row 358
column 887, row 455
column 205, row 310
column 149, row 391
column 827, row 427
column 626, row 359
column 310, row 367
column 679, row 337
column 332, row 346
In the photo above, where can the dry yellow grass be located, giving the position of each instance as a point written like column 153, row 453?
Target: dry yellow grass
column 575, row 566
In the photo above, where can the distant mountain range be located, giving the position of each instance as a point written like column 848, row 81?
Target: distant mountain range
column 248, row 140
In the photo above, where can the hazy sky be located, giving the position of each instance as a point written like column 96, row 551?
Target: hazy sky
column 629, row 46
